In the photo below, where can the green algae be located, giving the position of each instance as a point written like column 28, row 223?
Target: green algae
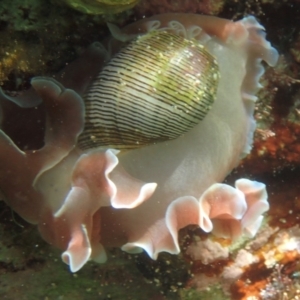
column 215, row 293
column 30, row 269
column 96, row 7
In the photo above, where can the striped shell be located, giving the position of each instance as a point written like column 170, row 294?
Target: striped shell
column 155, row 89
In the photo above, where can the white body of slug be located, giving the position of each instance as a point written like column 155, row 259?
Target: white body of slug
column 141, row 153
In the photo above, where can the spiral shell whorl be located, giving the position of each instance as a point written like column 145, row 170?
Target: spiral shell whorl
column 155, row 89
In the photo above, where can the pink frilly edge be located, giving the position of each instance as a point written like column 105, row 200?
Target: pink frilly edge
column 226, row 211
column 22, row 169
column 97, row 181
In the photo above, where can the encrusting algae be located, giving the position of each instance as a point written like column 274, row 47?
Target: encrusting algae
column 17, row 58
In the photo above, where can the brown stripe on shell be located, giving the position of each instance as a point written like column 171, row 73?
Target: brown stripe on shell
column 155, row 89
